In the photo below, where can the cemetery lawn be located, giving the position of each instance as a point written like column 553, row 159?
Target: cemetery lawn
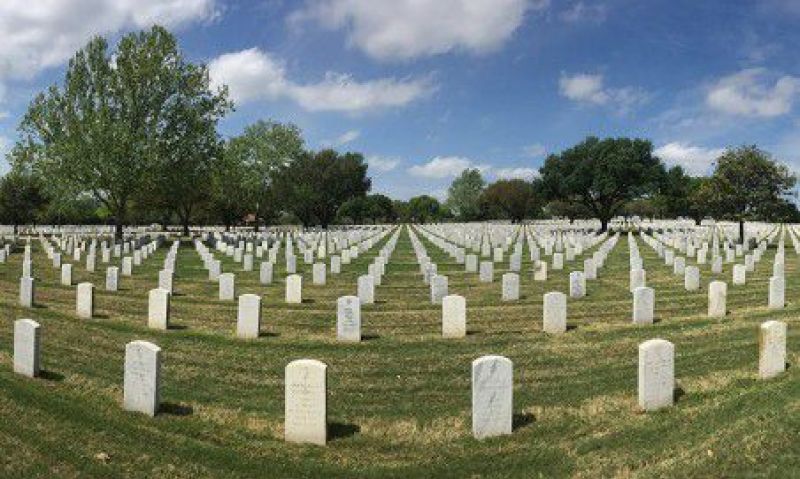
column 399, row 402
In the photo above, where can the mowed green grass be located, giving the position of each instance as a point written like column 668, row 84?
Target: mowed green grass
column 399, row 402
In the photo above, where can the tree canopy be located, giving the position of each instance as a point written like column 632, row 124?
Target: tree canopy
column 602, row 175
column 463, row 196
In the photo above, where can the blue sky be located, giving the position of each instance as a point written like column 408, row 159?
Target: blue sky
column 425, row 88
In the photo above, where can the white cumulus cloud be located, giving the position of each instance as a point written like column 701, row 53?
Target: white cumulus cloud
column 45, row 33
column 440, row 167
column 343, row 139
column 382, row 163
column 590, row 88
column 695, row 160
column 535, row 150
column 253, row 74
column 521, row 173
column 404, row 29
column 754, row 92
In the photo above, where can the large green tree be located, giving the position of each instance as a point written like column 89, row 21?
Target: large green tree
column 513, row 199
column 263, row 149
column 424, row 209
column 21, row 199
column 602, row 175
column 748, row 184
column 464, row 194
column 106, row 129
column 315, row 185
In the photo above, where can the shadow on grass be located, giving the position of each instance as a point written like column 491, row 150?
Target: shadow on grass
column 308, row 301
column 39, row 306
column 521, row 420
column 369, row 337
column 338, row 430
column 48, row 375
column 177, row 327
column 100, row 316
column 678, row 393
column 572, row 327
column 174, row 409
column 268, row 334
column 473, row 332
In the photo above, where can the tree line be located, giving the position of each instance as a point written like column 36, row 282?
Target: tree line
column 130, row 136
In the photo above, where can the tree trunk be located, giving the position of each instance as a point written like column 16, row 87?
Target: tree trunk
column 186, row 227
column 117, row 229
column 603, row 225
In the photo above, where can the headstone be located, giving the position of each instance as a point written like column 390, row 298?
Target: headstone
column 265, row 273
column 636, row 278
column 510, row 287
column 84, row 305
column 165, row 280
column 717, row 299
column 27, row 335
column 214, row 270
column 112, row 278
column 438, row 287
column 318, row 274
column 142, row 377
column 739, row 274
column 305, row 413
column 366, row 289
column 66, row 274
column 248, row 319
column 247, row 263
column 127, row 266
column 158, row 309
column 294, row 289
column 26, row 292
column 771, row 349
column 777, row 289
column 558, row 261
column 656, row 374
column 589, row 268
column 554, row 312
column 577, row 284
column 471, row 263
column 348, row 319
column 644, row 299
column 691, row 278
column 227, row 287
column 492, row 396
column 540, row 271
column 454, row 316
column 487, row 272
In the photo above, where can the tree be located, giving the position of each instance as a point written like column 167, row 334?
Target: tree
column 231, row 198
column 189, row 145
column 316, row 184
column 104, row 130
column 512, row 199
column 21, row 199
column 464, row 193
column 602, row 174
column 423, row 209
column 264, row 148
column 377, row 208
column 747, row 184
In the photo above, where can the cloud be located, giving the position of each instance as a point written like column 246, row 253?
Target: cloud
column 516, row 173
column 382, row 163
column 534, row 151
column 581, row 12
column 405, row 29
column 695, row 160
column 754, row 92
column 589, row 89
column 41, row 34
column 343, row 139
column 256, row 75
column 445, row 167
